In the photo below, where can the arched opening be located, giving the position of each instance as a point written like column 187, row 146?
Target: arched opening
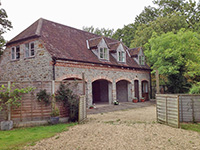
column 136, row 89
column 101, row 91
column 145, row 90
column 75, row 84
column 123, row 89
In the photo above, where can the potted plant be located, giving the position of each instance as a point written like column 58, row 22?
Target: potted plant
column 91, row 107
column 10, row 97
column 116, row 102
column 142, row 99
column 54, row 119
column 135, row 99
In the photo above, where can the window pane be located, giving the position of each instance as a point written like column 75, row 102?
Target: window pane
column 140, row 61
column 101, row 52
column 119, row 56
column 32, row 45
column 17, row 52
column 27, row 50
column 32, row 49
column 13, row 53
column 105, row 53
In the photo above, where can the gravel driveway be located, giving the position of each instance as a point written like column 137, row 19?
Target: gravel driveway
column 134, row 129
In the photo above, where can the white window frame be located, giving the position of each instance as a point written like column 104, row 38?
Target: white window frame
column 141, row 60
column 14, row 53
column 121, row 56
column 103, row 53
column 29, row 49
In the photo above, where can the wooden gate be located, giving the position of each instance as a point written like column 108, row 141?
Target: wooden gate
column 167, row 109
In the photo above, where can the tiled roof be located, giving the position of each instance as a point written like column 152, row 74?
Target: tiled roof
column 69, row 43
column 134, row 52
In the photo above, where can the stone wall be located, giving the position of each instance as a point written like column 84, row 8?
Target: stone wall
column 37, row 68
column 93, row 72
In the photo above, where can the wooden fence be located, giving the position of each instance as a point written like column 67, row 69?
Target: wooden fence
column 175, row 108
column 167, row 108
column 189, row 106
column 31, row 109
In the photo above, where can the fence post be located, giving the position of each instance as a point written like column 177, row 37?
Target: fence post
column 178, row 111
column 9, row 109
column 193, row 117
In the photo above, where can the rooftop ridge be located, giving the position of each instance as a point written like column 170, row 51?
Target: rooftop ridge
column 40, row 22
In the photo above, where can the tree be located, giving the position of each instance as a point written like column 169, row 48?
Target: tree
column 102, row 31
column 5, row 25
column 176, row 56
column 167, row 16
column 170, row 23
column 126, row 34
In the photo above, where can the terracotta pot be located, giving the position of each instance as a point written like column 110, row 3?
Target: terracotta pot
column 142, row 100
column 135, row 100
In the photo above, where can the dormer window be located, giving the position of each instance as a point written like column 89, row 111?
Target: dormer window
column 141, row 60
column 15, row 53
column 121, row 56
column 103, row 53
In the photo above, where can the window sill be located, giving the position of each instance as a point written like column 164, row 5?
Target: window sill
column 31, row 57
column 14, row 60
column 101, row 59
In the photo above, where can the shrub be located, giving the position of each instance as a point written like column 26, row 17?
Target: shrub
column 70, row 100
column 43, row 96
column 195, row 89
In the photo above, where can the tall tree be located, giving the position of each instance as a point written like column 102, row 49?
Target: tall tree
column 126, row 34
column 102, row 31
column 171, row 22
column 176, row 56
column 5, row 25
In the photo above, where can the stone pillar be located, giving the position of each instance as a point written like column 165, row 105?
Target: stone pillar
column 132, row 89
column 114, row 92
column 129, row 87
column 89, row 94
column 140, row 88
column 110, row 92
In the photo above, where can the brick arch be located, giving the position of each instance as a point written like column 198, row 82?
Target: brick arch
column 102, row 78
column 123, row 79
column 144, row 80
column 69, row 76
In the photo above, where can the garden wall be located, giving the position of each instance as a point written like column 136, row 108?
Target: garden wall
column 31, row 110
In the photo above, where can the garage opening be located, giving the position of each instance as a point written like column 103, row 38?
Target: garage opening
column 100, row 91
column 123, row 88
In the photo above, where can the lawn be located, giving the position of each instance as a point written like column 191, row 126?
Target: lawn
column 193, row 127
column 18, row 138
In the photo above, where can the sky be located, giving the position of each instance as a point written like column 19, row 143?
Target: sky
column 110, row 14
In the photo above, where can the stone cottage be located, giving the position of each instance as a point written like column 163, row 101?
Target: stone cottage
column 48, row 51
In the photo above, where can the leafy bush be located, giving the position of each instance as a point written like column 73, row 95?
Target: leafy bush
column 195, row 89
column 11, row 97
column 70, row 100
column 43, row 96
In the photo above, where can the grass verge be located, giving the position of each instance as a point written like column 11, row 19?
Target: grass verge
column 18, row 138
column 193, row 127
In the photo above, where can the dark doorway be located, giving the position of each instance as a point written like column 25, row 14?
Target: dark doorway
column 136, row 89
column 145, row 90
column 122, row 91
column 100, row 92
